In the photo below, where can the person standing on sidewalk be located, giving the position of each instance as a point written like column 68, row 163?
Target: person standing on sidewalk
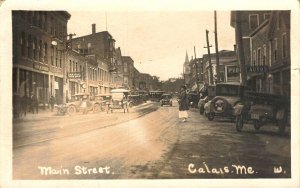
column 52, row 102
column 24, row 103
column 183, row 104
column 34, row 104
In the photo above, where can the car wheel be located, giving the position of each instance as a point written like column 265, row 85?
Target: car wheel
column 210, row 116
column 239, row 123
column 257, row 124
column 96, row 108
column 71, row 110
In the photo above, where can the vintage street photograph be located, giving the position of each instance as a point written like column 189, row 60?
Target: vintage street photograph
column 140, row 94
column 151, row 94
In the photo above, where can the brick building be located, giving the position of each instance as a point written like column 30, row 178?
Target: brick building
column 268, row 64
column 38, row 63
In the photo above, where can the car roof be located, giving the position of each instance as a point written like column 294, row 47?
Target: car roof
column 119, row 90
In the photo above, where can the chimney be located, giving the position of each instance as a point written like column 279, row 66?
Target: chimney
column 93, row 28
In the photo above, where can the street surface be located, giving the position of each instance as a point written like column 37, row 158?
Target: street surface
column 148, row 142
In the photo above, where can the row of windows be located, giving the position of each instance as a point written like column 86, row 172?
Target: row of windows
column 34, row 48
column 259, row 55
column 254, row 20
column 95, row 74
column 45, row 21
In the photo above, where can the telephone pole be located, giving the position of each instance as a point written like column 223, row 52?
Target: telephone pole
column 240, row 46
column 196, row 65
column 209, row 59
column 217, row 50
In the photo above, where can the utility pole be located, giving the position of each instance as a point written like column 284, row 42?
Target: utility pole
column 209, row 59
column 196, row 65
column 217, row 50
column 240, row 46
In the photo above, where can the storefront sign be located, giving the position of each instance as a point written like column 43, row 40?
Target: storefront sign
column 257, row 69
column 74, row 75
column 100, row 82
column 41, row 67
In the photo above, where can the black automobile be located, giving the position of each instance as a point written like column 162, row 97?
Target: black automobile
column 227, row 96
column 166, row 99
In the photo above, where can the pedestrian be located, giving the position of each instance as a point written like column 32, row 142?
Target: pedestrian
column 24, row 103
column 52, row 102
column 34, row 104
column 183, row 104
column 16, row 105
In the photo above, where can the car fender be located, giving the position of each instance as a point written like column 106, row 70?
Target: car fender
column 238, row 109
column 207, row 107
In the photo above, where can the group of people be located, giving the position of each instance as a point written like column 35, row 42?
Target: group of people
column 24, row 104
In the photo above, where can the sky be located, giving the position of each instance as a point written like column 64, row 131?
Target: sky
column 157, row 41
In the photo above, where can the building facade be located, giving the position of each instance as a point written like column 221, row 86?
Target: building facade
column 268, row 67
column 39, row 41
column 228, row 66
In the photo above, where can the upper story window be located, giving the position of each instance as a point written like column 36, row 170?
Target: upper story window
column 125, row 67
column 284, row 45
column 275, row 50
column 253, row 21
column 254, row 58
column 267, row 16
column 22, row 43
column 258, row 56
column 264, row 55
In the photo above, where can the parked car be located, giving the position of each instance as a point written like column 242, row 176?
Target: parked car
column 102, row 100
column 119, row 100
column 207, row 94
column 78, row 102
column 261, row 108
column 193, row 98
column 166, row 99
column 134, row 100
column 227, row 96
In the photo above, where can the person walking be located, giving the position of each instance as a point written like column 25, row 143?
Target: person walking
column 34, row 104
column 24, row 103
column 183, row 104
column 52, row 102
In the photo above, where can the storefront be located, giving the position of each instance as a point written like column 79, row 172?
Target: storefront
column 26, row 82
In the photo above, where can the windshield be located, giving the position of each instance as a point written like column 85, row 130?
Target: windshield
column 227, row 90
column 166, row 96
column 117, row 96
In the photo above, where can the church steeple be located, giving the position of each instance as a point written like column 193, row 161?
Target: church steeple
column 186, row 58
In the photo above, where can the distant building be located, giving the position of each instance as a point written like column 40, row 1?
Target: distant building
column 128, row 73
column 228, row 67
